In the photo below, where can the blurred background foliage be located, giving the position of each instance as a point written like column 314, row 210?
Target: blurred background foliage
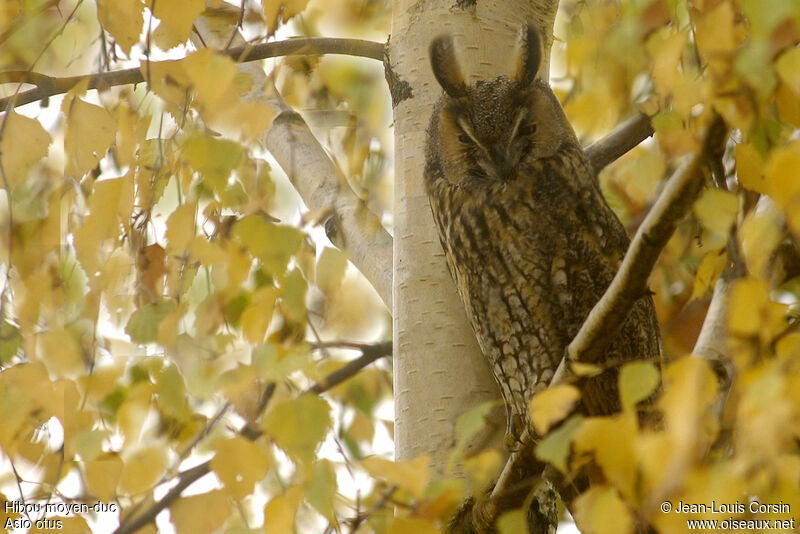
column 166, row 298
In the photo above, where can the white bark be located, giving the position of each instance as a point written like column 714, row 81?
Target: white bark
column 439, row 370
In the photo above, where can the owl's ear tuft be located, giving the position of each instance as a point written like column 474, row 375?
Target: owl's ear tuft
column 445, row 66
column 529, row 55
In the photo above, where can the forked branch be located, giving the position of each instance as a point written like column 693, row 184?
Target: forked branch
column 630, row 282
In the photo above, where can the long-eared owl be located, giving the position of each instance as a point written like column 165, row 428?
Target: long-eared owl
column 529, row 239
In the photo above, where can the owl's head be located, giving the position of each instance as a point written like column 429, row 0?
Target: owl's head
column 490, row 129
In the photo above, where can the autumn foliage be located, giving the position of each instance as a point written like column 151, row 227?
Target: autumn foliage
column 172, row 313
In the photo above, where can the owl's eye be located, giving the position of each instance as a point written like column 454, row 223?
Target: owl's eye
column 526, row 129
column 463, row 138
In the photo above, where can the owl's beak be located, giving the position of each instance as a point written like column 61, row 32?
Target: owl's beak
column 502, row 162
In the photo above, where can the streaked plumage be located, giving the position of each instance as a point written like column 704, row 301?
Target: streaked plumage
column 528, row 237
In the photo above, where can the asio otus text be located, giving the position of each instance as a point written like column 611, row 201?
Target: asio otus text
column 528, row 237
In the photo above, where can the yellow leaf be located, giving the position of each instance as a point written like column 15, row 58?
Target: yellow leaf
column 24, row 142
column 240, row 464
column 142, row 469
column 760, row 234
column 258, row 315
column 783, row 182
column 103, row 222
column 656, row 462
column 62, row 354
column 551, row 406
column 177, row 17
column 248, row 119
column 554, row 448
column 213, row 158
column 600, row 510
column 276, row 11
column 102, row 475
column 513, row 522
column 293, row 296
column 131, row 133
column 637, row 381
column 412, row 475
column 200, row 514
column 298, row 426
column 715, row 32
column 751, row 313
column 750, row 168
column 716, row 210
column 737, row 111
column 585, row 369
column 274, row 244
column 709, row 270
column 612, row 440
column 90, row 131
column 331, row 266
column 207, row 253
column 168, row 80
column 211, row 74
column 689, row 388
column 411, row 525
column 279, row 513
column 181, row 228
column 123, row 19
column 788, row 105
column 788, row 68
column 666, row 53
column 484, row 467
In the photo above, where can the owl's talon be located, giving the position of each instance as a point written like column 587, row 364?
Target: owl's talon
column 513, row 437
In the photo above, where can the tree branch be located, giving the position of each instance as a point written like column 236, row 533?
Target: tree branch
column 369, row 353
column 185, row 479
column 49, row 86
column 353, row 228
column 624, row 137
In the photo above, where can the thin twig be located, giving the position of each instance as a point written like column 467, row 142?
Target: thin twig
column 50, row 86
column 370, row 353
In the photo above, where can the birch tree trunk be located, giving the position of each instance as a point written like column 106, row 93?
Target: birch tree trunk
column 439, row 369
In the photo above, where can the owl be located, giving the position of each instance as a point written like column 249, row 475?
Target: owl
column 528, row 237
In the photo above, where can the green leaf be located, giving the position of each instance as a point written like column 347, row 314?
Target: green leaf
column 321, row 488
column 555, row 447
column 471, row 422
column 273, row 244
column 10, row 341
column 293, row 296
column 142, row 327
column 331, row 266
column 637, row 381
column 172, row 393
column 298, row 426
column 213, row 158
